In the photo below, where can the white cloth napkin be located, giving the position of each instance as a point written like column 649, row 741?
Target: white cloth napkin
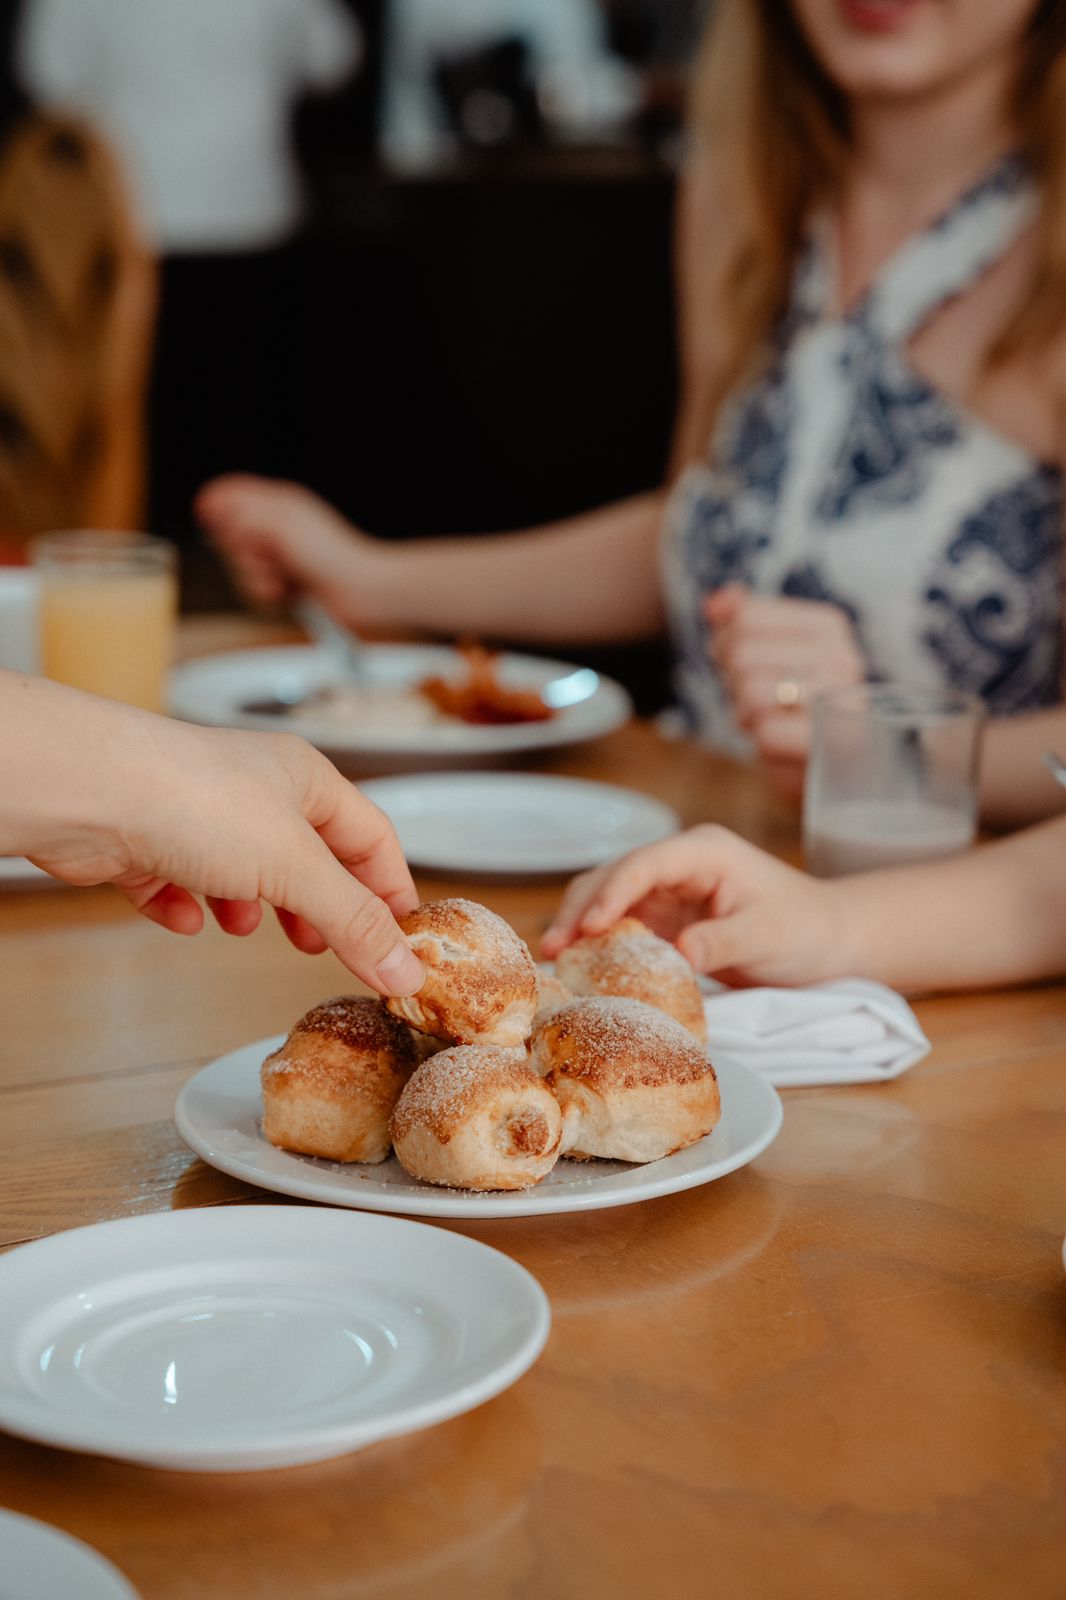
column 851, row 1031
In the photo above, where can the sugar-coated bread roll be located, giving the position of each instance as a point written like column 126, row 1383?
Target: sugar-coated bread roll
column 481, row 982
column 330, row 1090
column 632, row 1083
column 477, row 1117
column 632, row 961
column 551, row 994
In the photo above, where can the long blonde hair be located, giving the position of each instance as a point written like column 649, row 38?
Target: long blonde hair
column 776, row 128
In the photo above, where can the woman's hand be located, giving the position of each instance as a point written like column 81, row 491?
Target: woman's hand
column 735, row 912
column 773, row 654
column 280, row 540
column 101, row 793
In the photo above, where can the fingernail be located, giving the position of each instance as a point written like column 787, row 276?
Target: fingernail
column 401, row 972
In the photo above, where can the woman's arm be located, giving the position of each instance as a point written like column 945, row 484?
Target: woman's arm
column 993, row 915
column 592, row 579
column 1016, row 786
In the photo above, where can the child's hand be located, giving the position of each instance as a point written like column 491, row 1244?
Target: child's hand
column 733, row 910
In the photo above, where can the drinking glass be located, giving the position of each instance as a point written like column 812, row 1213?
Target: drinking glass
column 891, row 777
column 107, row 612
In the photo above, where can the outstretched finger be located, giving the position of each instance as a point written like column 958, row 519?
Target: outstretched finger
column 597, row 900
column 355, row 922
column 362, row 838
column 578, row 895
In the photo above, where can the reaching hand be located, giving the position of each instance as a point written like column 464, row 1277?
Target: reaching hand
column 101, row 793
column 774, row 654
column 734, row 911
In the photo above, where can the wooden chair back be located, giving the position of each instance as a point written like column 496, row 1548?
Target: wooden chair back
column 77, row 305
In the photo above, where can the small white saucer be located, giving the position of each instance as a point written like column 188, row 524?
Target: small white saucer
column 39, row 1562
column 247, row 1337
column 516, row 822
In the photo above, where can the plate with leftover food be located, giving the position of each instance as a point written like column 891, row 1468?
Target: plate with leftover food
column 410, row 702
column 518, row 823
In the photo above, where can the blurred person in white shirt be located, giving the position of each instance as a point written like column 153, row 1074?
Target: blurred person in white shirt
column 195, row 96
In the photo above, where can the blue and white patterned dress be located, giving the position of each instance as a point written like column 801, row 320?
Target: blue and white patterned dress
column 841, row 474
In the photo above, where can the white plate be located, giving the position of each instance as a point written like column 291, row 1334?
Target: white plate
column 218, row 1114
column 18, row 873
column 213, row 689
column 255, row 1336
column 516, row 822
column 39, row 1562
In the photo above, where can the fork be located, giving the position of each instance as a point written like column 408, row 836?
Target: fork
column 1056, row 766
column 342, row 650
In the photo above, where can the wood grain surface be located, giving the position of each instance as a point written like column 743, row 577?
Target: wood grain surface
column 839, row 1372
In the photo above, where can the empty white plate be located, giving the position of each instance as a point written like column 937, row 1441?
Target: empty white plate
column 218, row 1113
column 516, row 822
column 259, row 1336
column 39, row 1562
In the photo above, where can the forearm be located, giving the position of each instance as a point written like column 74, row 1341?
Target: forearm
column 68, row 761
column 991, row 916
column 592, row 580
column 1016, row 786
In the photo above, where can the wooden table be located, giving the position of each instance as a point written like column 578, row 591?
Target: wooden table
column 836, row 1373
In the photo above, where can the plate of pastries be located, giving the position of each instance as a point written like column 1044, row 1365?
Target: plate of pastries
column 500, row 1089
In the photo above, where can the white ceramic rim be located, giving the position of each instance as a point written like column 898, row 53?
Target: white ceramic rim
column 652, row 819
column 235, row 1076
column 197, row 693
column 28, row 1417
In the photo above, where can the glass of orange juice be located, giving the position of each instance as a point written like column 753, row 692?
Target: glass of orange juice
column 107, row 609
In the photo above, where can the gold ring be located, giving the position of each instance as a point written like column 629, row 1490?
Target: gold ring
column 789, row 693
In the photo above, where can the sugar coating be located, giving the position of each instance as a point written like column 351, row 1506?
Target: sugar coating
column 630, row 960
column 453, row 1086
column 359, row 1023
column 610, row 1041
column 480, row 982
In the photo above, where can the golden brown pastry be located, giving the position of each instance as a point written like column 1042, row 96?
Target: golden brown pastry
column 630, row 960
column 551, row 994
column 632, row 1083
column 477, row 1117
column 329, row 1091
column 481, row 983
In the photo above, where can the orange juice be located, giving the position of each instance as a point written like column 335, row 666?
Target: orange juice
column 107, row 615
